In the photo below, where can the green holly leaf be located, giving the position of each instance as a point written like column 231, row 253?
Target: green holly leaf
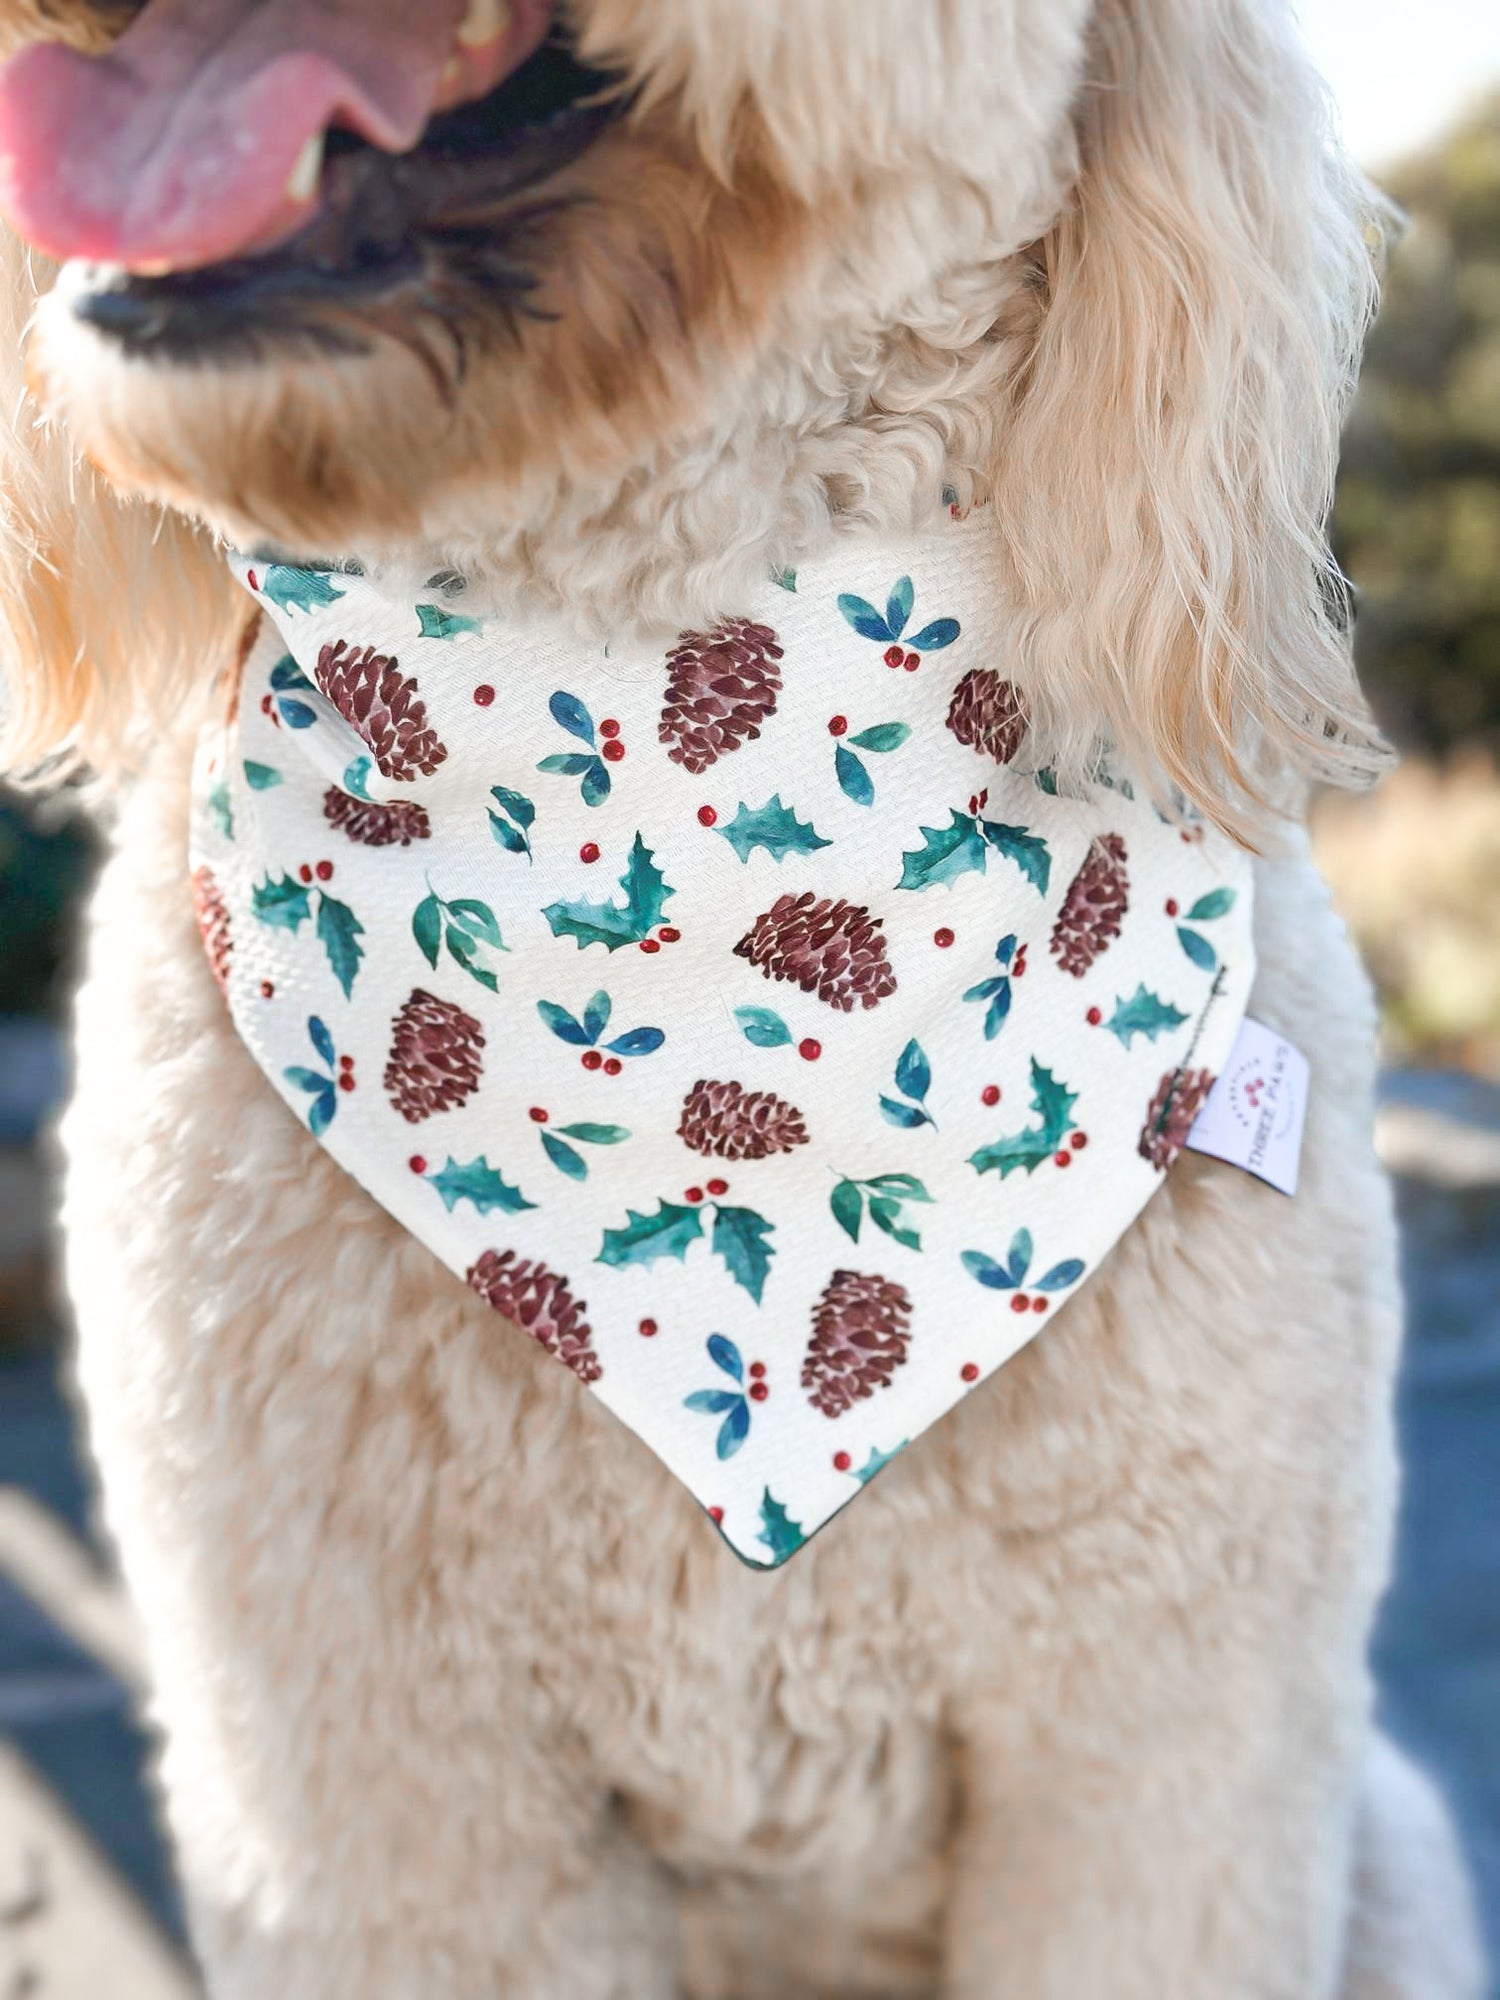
column 427, row 928
column 645, row 1238
column 339, row 932
column 885, row 1213
column 464, row 950
column 1217, row 903
column 261, row 777
column 596, row 1135
column 478, row 1182
column 1198, row 949
column 780, row 1534
column 1144, row 1013
column 762, row 1027
column 298, row 589
column 742, row 1239
column 907, row 1186
column 784, row 579
column 884, row 736
column 283, row 905
column 945, row 854
column 774, row 827
column 1027, row 850
column 436, row 623
column 567, row 1159
column 848, row 1205
column 1053, row 1104
column 477, row 918
column 219, row 809
column 878, row 1460
column 854, row 780
column 616, row 924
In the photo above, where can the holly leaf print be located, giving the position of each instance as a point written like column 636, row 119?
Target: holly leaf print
column 466, row 926
column 435, row 623
column 885, row 1213
column 1027, row 850
column 567, row 1159
column 476, row 1181
column 645, row 1239
column 318, row 1035
column 878, row 1461
column 283, row 905
column 510, row 825
column 1198, row 949
column 848, row 1204
column 945, row 854
column 865, row 619
column 637, row 1042
column 1144, row 1013
column 569, row 712
column 762, row 1027
column 913, row 1072
column 724, row 1354
column 778, row 1531
column 339, row 932
column 261, row 777
column 898, row 607
column 855, row 781
column 784, row 579
column 932, row 638
column 1053, row 1104
column 711, row 1402
column 1068, row 1272
column 616, row 924
column 596, row 1015
column 220, row 810
column 298, row 589
column 774, row 827
column 563, row 1025
column 987, row 1271
column 1217, row 903
column 742, row 1239
column 882, row 737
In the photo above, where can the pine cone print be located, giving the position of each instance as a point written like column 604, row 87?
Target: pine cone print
column 727, row 1122
column 541, row 1304
column 376, row 698
column 434, row 1062
column 861, row 1331
column 1179, row 1098
column 212, row 913
column 371, row 825
column 721, row 686
column 835, row 950
column 1098, row 897
column 988, row 713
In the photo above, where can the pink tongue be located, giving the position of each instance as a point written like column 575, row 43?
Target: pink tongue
column 174, row 148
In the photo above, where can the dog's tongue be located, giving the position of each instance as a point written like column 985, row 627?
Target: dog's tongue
column 177, row 146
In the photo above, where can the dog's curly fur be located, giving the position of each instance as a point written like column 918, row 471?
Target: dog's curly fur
column 460, row 1698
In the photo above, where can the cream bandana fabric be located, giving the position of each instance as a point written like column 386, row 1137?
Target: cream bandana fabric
column 744, row 1018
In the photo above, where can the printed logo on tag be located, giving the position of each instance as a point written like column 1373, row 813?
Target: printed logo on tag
column 1255, row 1112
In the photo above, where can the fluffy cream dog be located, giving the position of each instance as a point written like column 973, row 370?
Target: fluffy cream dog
column 1073, row 1705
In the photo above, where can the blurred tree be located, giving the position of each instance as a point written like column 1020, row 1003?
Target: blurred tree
column 1417, row 522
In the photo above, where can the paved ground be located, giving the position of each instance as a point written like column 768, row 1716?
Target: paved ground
column 87, row 1905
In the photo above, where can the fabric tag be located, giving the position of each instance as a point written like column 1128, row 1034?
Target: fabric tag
column 1254, row 1114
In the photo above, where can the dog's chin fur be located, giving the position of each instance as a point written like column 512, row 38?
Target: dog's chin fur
column 460, row 1696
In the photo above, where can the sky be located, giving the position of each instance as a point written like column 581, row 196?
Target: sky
column 1401, row 68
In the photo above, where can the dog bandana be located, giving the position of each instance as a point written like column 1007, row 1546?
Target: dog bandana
column 743, row 1017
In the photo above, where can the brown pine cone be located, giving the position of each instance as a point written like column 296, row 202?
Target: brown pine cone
column 212, row 913
column 988, row 713
column 835, row 950
column 1180, row 1096
column 728, row 1122
column 401, row 821
column 377, row 699
column 434, row 1063
column 861, row 1332
column 1098, row 897
column 721, row 686
column 541, row 1304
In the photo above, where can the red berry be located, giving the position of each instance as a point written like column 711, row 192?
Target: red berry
column 1063, row 1159
column 304, row 873
column 346, row 1082
column 346, row 1062
column 1018, row 970
column 589, row 851
column 1078, row 1141
column 417, row 1164
column 894, row 656
column 758, row 1392
column 649, row 945
column 837, row 725
column 612, row 1065
column 757, row 1368
column 943, row 938
column 1093, row 1017
column 809, row 1050
column 716, row 1514
column 609, row 727
column 694, row 1195
column 266, row 989
column 325, row 871
column 970, row 1371
column 538, row 1116
column 250, row 579
column 842, row 1461
column 720, row 1187
column 1020, row 1303
column 707, row 816
column 669, row 934
column 1038, row 1305
column 911, row 663
column 1171, row 906
column 265, row 704
column 484, row 695
column 990, row 1094
column 592, row 1059
column 648, row 1327
column 614, row 750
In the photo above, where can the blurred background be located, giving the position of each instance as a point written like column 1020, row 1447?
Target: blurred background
column 85, row 1890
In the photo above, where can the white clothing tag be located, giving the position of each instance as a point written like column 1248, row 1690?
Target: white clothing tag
column 1254, row 1114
